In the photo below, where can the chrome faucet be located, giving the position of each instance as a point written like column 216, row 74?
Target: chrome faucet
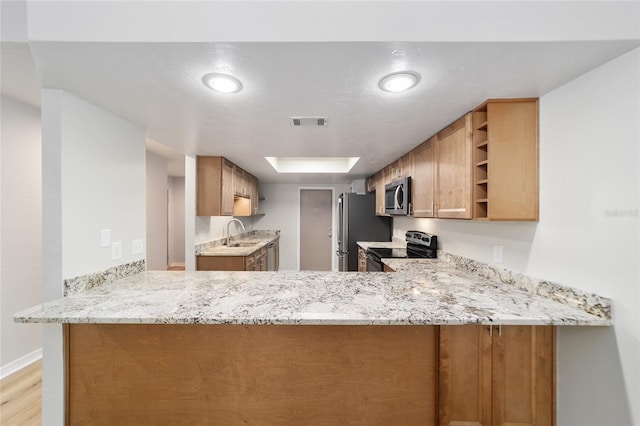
column 228, row 234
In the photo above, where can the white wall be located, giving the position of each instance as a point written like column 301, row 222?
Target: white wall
column 588, row 236
column 103, row 185
column 282, row 211
column 176, row 220
column 93, row 168
column 157, row 212
column 21, row 237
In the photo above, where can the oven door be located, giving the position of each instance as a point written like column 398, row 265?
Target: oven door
column 373, row 264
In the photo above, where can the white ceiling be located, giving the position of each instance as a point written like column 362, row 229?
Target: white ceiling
column 158, row 87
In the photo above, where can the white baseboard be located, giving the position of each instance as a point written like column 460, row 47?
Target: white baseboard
column 20, row 363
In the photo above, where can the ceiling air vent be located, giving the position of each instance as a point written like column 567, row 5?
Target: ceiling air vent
column 309, row 121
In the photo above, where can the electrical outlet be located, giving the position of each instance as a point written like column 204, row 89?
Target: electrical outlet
column 116, row 250
column 105, row 237
column 497, row 253
column 137, row 246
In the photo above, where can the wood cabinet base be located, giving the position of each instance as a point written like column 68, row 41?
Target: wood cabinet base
column 259, row 374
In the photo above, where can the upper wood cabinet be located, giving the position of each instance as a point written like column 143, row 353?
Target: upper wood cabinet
column 218, row 183
column 496, row 375
column 253, row 194
column 380, row 180
column 505, row 141
column 423, row 179
column 226, row 201
column 454, row 158
column 484, row 166
column 400, row 168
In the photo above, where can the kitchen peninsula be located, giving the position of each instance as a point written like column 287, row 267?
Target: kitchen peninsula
column 297, row 347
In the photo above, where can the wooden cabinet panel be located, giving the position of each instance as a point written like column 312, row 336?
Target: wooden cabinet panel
column 251, row 374
column 209, row 185
column 256, row 261
column 465, row 375
column 485, row 166
column 523, row 386
column 227, row 189
column 454, row 170
column 220, row 263
column 380, row 183
column 253, row 194
column 242, row 182
column 423, row 180
column 497, row 376
column 218, row 183
column 371, row 184
column 506, row 159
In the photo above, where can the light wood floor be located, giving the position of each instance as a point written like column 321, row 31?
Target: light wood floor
column 175, row 268
column 21, row 395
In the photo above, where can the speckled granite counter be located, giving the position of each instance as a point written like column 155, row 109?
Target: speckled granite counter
column 377, row 244
column 440, row 295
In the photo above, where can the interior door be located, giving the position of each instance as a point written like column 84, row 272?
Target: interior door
column 316, row 218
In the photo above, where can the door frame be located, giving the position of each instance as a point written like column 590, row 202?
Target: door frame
column 334, row 265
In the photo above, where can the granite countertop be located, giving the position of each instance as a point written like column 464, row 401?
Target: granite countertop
column 438, row 292
column 249, row 242
column 378, row 244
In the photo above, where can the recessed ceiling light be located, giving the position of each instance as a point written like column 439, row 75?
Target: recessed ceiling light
column 399, row 81
column 312, row 164
column 222, row 83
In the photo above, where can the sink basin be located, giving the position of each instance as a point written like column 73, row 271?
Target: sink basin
column 241, row 244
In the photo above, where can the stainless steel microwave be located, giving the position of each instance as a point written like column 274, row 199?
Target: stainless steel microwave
column 397, row 197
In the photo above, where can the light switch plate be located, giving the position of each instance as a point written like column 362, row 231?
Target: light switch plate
column 116, row 250
column 137, row 246
column 105, row 237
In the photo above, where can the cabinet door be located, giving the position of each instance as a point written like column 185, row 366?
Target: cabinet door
column 208, row 181
column 226, row 202
column 371, row 184
column 253, row 192
column 220, row 263
column 238, row 180
column 380, row 194
column 497, row 376
column 523, row 376
column 422, row 181
column 465, row 375
column 394, row 170
column 513, row 160
column 454, row 170
column 406, row 164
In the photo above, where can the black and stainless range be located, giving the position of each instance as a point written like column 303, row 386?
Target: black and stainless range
column 419, row 245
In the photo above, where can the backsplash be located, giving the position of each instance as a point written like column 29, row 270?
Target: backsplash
column 589, row 302
column 81, row 283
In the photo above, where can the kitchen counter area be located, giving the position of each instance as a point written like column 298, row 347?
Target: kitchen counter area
column 424, row 291
column 350, row 347
column 243, row 244
column 257, row 250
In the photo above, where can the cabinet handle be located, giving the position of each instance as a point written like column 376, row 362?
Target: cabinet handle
column 499, row 330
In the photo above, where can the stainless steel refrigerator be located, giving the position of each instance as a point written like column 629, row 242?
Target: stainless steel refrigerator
column 357, row 221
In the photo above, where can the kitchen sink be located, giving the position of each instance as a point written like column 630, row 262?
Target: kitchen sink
column 241, row 244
